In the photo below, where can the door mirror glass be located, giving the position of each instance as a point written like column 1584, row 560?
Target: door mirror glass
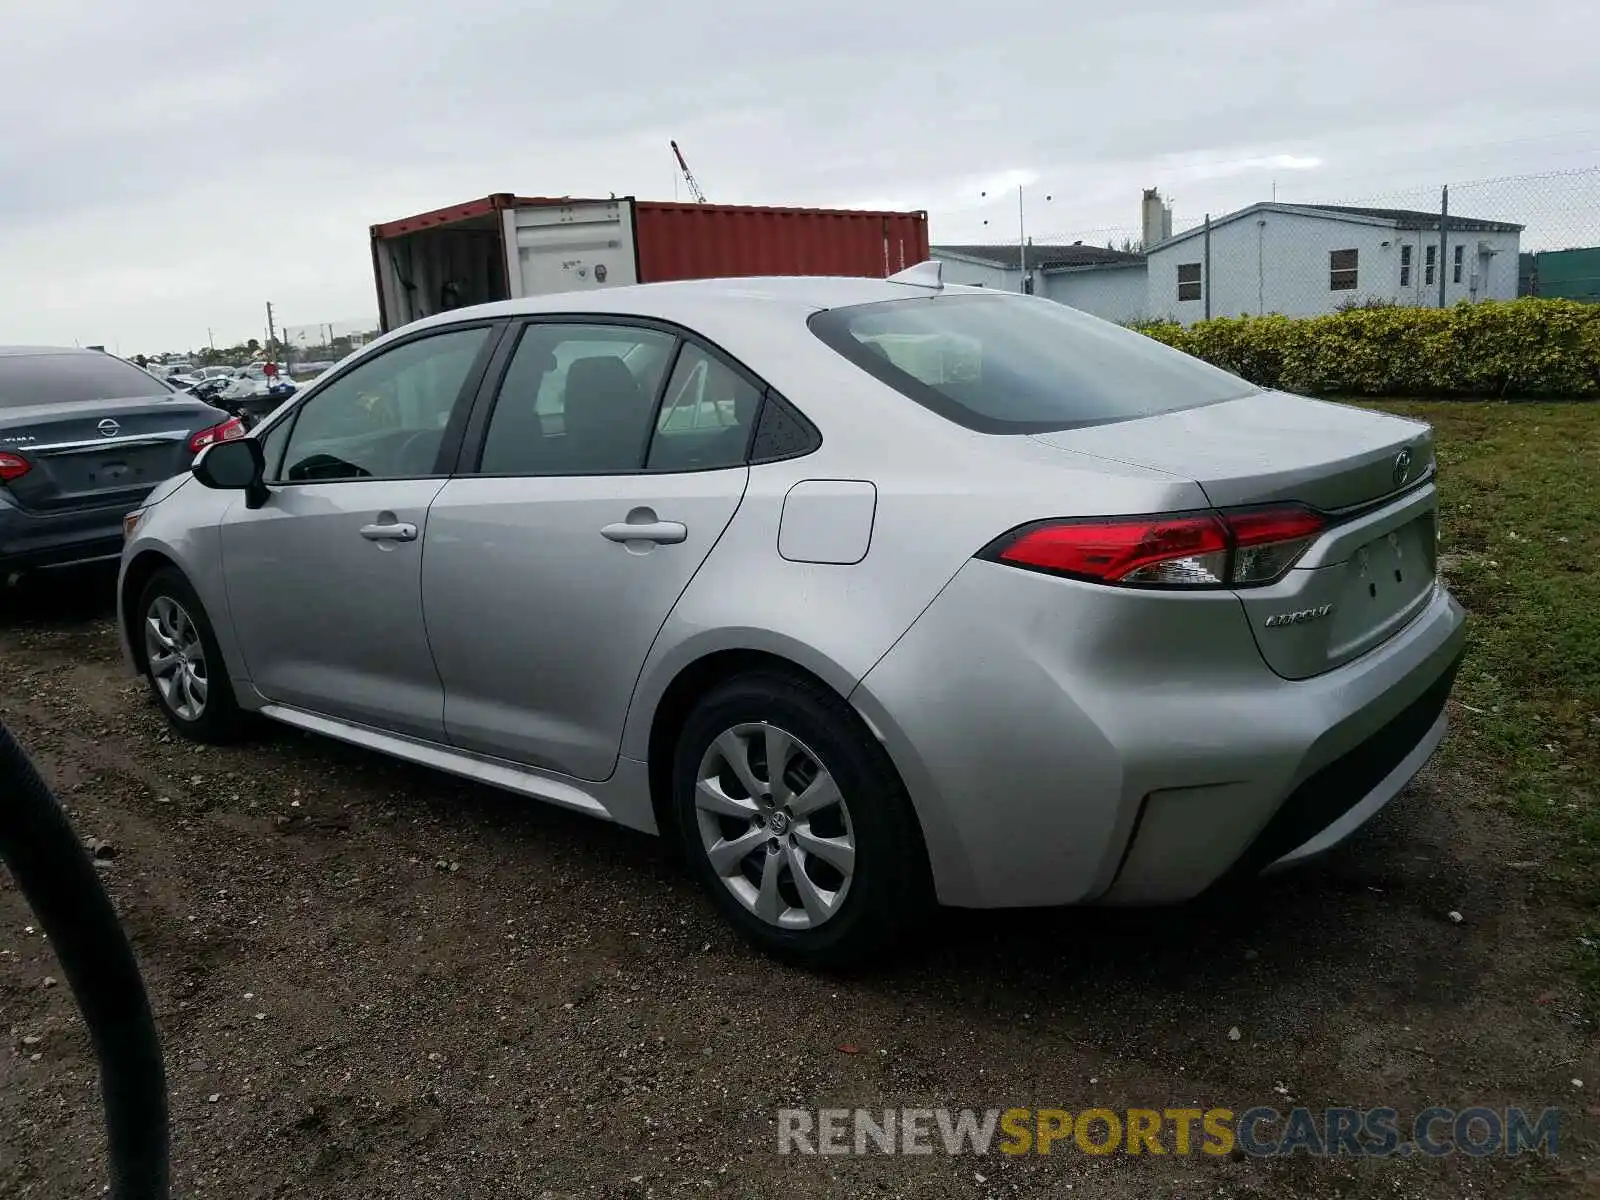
column 230, row 466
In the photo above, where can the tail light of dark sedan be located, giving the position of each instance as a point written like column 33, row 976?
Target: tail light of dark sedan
column 1241, row 548
column 13, row 466
column 226, row 431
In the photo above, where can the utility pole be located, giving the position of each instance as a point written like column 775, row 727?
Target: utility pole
column 272, row 334
column 1022, row 242
column 1444, row 241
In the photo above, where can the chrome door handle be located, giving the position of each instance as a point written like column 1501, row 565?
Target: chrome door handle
column 664, row 532
column 399, row 532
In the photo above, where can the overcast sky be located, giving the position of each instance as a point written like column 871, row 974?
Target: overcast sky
column 169, row 166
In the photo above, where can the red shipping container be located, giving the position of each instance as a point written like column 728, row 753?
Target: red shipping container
column 505, row 246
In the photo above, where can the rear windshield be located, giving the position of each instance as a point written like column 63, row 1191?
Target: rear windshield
column 1010, row 364
column 70, row 378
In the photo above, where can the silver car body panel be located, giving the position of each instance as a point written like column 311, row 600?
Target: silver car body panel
column 1269, row 446
column 1036, row 720
column 1089, row 708
column 325, row 618
column 539, row 623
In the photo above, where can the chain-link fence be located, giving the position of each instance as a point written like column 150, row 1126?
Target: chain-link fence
column 1490, row 239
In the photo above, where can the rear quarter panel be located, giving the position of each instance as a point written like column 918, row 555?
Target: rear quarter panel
column 943, row 493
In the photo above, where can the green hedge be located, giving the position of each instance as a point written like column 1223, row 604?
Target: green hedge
column 1530, row 347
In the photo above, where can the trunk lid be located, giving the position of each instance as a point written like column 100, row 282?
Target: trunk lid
column 99, row 453
column 1369, row 574
column 1268, row 446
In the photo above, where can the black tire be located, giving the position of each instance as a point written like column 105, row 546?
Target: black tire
column 219, row 720
column 889, row 890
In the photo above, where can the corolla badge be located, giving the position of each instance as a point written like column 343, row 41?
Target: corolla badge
column 1402, row 467
column 1278, row 620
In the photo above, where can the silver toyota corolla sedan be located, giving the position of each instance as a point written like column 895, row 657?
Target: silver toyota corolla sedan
column 870, row 592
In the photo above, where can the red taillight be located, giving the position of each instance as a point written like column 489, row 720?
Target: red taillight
column 13, row 466
column 1267, row 542
column 1181, row 550
column 230, row 429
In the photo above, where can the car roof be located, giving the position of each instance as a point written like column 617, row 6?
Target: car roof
column 21, row 351
column 683, row 300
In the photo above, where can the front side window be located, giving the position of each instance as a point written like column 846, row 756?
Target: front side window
column 1009, row 364
column 1342, row 270
column 576, row 400
column 1189, row 283
column 385, row 418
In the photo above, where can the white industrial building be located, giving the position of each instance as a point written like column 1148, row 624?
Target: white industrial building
column 1295, row 259
column 1304, row 259
column 1108, row 283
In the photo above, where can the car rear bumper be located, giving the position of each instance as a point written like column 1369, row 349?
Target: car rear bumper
column 56, row 539
column 1066, row 743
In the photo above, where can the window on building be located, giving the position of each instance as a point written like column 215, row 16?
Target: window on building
column 1189, row 281
column 1430, row 264
column 1405, row 266
column 1457, row 260
column 1342, row 270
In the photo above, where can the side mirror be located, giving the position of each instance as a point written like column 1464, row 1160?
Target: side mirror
column 234, row 466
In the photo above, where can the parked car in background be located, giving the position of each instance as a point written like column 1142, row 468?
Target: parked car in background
column 214, row 373
column 253, row 397
column 258, row 370
column 210, row 390
column 84, row 436
column 868, row 591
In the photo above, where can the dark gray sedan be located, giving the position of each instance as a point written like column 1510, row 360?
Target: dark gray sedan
column 84, row 436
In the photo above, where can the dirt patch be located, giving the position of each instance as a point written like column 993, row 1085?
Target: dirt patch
column 373, row 980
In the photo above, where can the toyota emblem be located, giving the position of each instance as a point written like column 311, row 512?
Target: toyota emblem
column 1402, row 467
column 108, row 427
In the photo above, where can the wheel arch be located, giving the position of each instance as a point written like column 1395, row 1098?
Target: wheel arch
column 699, row 676
column 138, row 573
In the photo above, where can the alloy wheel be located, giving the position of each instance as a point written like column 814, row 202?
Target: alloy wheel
column 177, row 658
column 774, row 826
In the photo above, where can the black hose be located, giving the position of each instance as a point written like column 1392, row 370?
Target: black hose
column 38, row 844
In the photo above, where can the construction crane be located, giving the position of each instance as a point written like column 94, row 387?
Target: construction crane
column 688, row 176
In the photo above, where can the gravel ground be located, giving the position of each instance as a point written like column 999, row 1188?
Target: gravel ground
column 373, row 980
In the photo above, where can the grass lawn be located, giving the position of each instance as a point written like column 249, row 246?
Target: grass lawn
column 1520, row 545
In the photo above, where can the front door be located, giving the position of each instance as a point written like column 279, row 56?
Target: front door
column 324, row 579
column 550, row 568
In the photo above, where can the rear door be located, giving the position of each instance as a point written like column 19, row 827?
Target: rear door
column 97, row 432
column 582, row 511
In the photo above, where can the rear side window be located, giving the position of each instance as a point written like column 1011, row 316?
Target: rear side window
column 73, row 378
column 576, row 400
column 705, row 417
column 1003, row 364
